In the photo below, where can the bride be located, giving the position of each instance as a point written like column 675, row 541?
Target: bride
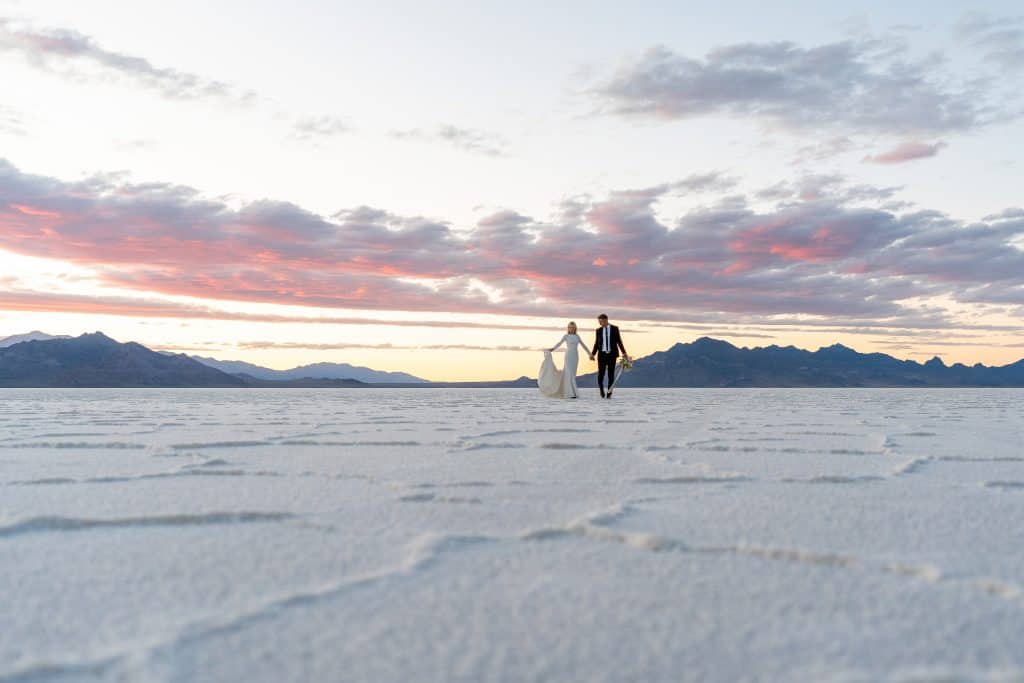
column 562, row 383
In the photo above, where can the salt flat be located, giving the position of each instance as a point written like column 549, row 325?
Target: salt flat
column 493, row 535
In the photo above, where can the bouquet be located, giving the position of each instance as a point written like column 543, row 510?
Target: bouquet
column 626, row 362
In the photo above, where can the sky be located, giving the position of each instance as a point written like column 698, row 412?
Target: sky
column 438, row 188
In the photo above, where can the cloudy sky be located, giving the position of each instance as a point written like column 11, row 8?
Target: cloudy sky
column 438, row 187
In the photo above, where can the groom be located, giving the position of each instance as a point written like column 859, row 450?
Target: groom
column 606, row 345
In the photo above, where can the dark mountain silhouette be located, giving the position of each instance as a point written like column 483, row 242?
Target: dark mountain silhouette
column 709, row 362
column 96, row 360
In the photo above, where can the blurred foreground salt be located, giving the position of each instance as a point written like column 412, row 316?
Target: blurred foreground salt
column 440, row 535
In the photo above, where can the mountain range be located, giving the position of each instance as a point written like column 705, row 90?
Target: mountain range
column 313, row 371
column 95, row 360
column 709, row 362
column 34, row 335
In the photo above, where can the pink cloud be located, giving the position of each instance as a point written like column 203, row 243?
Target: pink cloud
column 33, row 211
column 614, row 253
column 153, row 308
column 906, row 151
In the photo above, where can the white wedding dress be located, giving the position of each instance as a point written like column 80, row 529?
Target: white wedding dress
column 561, row 383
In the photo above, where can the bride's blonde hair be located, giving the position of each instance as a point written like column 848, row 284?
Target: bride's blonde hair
column 573, row 326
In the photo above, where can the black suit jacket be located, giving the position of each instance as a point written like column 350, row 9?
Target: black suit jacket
column 615, row 342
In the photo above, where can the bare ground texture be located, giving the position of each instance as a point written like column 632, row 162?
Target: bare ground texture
column 493, row 535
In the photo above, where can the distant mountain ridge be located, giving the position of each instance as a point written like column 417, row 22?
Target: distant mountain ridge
column 709, row 362
column 96, row 360
column 34, row 335
column 40, row 360
column 313, row 371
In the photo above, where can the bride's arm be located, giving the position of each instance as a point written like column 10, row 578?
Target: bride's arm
column 560, row 342
column 586, row 349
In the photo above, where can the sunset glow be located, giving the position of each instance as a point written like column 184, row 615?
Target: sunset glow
column 851, row 177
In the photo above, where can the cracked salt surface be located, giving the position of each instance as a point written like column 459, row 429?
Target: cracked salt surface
column 439, row 535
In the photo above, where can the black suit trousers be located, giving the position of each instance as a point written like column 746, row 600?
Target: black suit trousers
column 605, row 366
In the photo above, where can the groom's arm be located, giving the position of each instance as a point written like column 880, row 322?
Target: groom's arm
column 597, row 342
column 618, row 340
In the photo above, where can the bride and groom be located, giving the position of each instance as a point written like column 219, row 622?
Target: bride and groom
column 562, row 383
